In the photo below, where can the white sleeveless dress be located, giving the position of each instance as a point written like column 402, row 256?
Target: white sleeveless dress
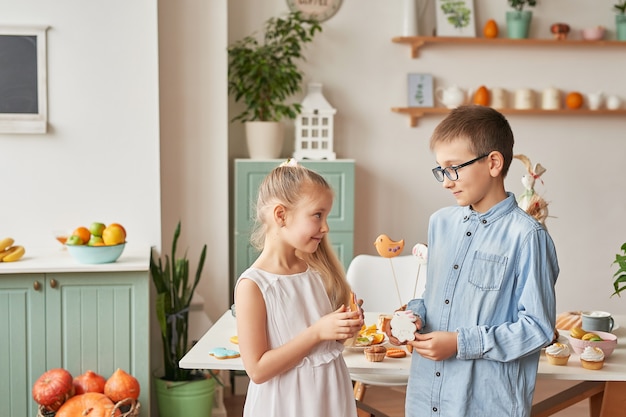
column 320, row 385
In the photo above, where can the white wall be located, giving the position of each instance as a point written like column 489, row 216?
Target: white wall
column 99, row 160
column 364, row 75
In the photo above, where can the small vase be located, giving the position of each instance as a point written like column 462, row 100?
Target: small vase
column 620, row 27
column 518, row 24
column 409, row 18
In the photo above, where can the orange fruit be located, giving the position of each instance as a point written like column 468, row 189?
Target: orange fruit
column 120, row 226
column 481, row 96
column 574, row 100
column 83, row 233
column 491, row 29
column 113, row 235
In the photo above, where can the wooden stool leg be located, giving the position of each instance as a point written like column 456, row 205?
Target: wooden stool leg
column 359, row 390
column 359, row 393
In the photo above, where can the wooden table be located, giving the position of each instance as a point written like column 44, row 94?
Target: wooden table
column 606, row 388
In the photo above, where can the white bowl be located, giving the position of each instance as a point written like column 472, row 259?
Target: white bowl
column 593, row 34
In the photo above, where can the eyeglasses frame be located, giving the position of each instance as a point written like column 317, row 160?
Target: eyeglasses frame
column 455, row 168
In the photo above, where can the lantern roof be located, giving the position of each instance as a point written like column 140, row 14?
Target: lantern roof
column 315, row 100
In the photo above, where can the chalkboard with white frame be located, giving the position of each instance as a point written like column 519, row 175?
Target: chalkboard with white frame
column 23, row 79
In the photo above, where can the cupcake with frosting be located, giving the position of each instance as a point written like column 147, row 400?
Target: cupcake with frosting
column 592, row 358
column 558, row 354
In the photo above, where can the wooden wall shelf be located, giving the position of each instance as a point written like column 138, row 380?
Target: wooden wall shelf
column 416, row 42
column 416, row 112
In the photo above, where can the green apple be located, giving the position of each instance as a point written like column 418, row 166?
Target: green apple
column 95, row 241
column 96, row 228
column 74, row 240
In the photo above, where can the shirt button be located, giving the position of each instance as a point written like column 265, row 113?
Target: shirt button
column 438, row 373
column 468, row 233
column 456, row 267
column 447, row 301
column 484, row 221
column 435, row 409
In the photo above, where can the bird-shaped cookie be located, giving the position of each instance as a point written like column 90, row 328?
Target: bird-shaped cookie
column 388, row 248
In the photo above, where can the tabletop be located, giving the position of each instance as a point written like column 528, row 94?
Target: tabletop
column 220, row 333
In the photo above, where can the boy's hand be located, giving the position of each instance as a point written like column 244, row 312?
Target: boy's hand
column 436, row 346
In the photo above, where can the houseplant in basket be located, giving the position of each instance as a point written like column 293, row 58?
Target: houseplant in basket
column 620, row 20
column 180, row 392
column 263, row 74
column 619, row 284
column 518, row 20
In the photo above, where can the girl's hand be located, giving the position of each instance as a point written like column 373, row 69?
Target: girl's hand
column 436, row 346
column 341, row 324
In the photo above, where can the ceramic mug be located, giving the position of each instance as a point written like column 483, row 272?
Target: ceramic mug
column 551, row 99
column 524, row 99
column 597, row 320
column 594, row 100
column 498, row 98
column 613, row 102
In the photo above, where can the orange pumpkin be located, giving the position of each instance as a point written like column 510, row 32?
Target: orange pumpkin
column 491, row 29
column 481, row 96
column 574, row 100
column 121, row 385
column 91, row 404
column 53, row 388
column 89, row 382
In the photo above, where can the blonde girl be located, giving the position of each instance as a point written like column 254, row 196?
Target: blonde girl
column 291, row 303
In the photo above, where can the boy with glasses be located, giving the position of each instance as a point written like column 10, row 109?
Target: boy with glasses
column 489, row 304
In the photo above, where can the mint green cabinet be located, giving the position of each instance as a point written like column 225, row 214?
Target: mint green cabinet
column 248, row 176
column 79, row 321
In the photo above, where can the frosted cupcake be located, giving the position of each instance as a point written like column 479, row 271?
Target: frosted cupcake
column 592, row 358
column 558, row 354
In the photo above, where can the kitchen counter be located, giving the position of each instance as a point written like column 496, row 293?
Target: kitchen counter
column 58, row 259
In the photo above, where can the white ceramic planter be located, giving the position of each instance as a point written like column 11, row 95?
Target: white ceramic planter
column 264, row 139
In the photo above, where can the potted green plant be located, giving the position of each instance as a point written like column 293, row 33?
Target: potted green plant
column 620, row 20
column 180, row 392
column 518, row 20
column 263, row 74
column 619, row 284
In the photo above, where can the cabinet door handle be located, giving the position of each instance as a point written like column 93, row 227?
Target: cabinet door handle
column 53, row 283
column 36, row 285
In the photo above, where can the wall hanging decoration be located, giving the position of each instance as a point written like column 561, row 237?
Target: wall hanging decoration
column 314, row 126
column 23, row 80
column 456, row 18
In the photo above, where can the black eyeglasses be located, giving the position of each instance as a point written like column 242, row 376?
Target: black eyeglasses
column 452, row 172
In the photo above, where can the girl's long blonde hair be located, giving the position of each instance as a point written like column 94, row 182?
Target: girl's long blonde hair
column 284, row 185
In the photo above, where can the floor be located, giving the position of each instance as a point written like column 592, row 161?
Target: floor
column 390, row 400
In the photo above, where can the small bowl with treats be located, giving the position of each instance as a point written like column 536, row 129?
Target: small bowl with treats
column 579, row 339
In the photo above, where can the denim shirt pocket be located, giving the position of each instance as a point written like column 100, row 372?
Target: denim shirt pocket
column 487, row 271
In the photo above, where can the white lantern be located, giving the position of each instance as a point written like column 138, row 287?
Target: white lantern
column 314, row 126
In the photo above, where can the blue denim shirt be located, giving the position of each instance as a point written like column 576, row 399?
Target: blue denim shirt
column 491, row 278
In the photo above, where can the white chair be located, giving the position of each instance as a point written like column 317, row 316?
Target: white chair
column 384, row 285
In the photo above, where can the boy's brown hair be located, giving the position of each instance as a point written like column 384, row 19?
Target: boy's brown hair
column 485, row 129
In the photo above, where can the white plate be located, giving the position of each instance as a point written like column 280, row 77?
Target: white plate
column 384, row 343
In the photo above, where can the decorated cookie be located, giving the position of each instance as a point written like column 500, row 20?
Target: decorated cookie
column 223, row 353
column 388, row 248
column 420, row 251
column 403, row 325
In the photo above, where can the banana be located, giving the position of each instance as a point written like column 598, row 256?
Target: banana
column 6, row 243
column 14, row 253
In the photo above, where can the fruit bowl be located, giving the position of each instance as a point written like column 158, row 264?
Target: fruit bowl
column 85, row 254
column 608, row 343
